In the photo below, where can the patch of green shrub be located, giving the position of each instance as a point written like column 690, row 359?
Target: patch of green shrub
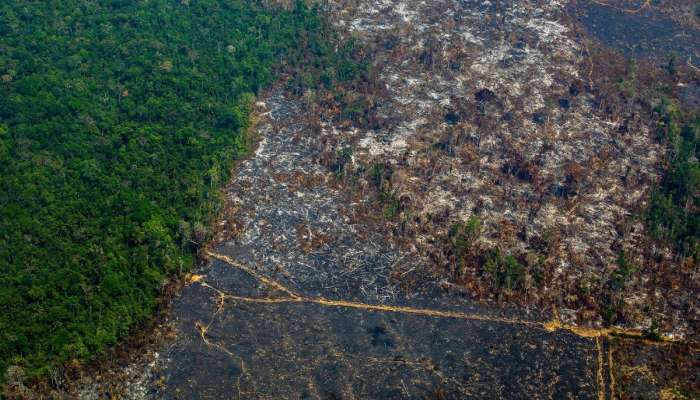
column 506, row 272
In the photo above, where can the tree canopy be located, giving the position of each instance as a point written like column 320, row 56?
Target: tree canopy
column 119, row 122
column 673, row 216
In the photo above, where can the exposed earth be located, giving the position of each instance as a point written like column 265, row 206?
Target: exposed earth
column 349, row 262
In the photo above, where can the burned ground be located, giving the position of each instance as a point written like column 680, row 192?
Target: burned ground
column 650, row 32
column 493, row 116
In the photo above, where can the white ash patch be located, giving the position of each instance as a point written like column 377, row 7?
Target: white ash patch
column 477, row 89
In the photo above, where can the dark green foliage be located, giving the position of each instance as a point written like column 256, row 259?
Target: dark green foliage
column 538, row 275
column 326, row 68
column 461, row 235
column 355, row 109
column 344, row 157
column 377, row 173
column 119, row 121
column 390, row 203
column 506, row 272
column 652, row 333
column 611, row 307
column 623, row 273
column 673, row 216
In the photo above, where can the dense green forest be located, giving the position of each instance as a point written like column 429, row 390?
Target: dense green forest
column 119, row 122
column 674, row 211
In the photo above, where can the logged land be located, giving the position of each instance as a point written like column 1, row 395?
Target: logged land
column 452, row 199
